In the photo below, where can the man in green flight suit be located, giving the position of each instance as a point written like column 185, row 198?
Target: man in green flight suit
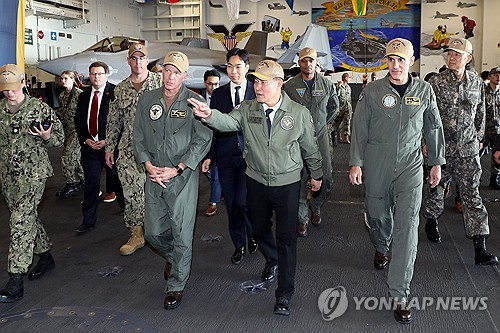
column 391, row 115
column 319, row 96
column 170, row 142
column 27, row 128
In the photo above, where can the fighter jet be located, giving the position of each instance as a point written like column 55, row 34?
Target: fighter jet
column 444, row 16
column 300, row 12
column 113, row 51
column 276, row 6
column 391, row 24
column 465, row 5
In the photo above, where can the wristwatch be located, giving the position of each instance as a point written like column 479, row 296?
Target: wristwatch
column 179, row 170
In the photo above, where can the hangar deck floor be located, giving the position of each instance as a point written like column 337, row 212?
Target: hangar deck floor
column 75, row 298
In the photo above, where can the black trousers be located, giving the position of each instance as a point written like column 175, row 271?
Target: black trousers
column 232, row 179
column 93, row 162
column 284, row 201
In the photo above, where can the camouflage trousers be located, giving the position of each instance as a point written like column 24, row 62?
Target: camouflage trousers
column 70, row 160
column 27, row 234
column 345, row 116
column 133, row 178
column 467, row 172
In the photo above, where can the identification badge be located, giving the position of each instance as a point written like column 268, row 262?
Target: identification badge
column 155, row 111
column 412, row 100
column 181, row 114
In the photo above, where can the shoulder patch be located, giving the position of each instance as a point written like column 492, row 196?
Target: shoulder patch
column 361, row 96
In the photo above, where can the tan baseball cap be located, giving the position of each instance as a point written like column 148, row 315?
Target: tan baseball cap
column 11, row 77
column 495, row 70
column 177, row 59
column 460, row 45
column 399, row 47
column 267, row 70
column 137, row 47
column 308, row 52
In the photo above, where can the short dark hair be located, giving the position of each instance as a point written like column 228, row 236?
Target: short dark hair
column 211, row 72
column 242, row 53
column 100, row 64
column 485, row 75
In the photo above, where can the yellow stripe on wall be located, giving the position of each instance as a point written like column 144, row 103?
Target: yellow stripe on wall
column 20, row 33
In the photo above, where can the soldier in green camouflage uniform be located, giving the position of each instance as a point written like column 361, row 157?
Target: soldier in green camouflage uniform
column 70, row 160
column 27, row 128
column 492, row 132
column 345, row 107
column 119, row 132
column 460, row 98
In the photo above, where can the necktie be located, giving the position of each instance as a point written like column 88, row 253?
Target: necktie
column 93, row 114
column 268, row 112
column 236, row 95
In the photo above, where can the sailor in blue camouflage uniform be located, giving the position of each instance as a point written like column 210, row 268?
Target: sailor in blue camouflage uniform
column 460, row 98
column 27, row 128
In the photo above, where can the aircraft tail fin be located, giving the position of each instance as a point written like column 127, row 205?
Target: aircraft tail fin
column 257, row 43
column 316, row 36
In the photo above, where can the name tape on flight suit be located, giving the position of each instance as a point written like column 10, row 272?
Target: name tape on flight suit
column 412, row 100
column 318, row 93
column 181, row 114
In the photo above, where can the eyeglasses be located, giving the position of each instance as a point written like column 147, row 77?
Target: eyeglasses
column 97, row 74
column 137, row 59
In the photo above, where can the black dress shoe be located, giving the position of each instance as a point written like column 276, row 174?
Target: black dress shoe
column 84, row 228
column 269, row 273
column 238, row 255
column 172, row 300
column 252, row 246
column 432, row 231
column 45, row 264
column 380, row 260
column 67, row 191
column 402, row 314
column 282, row 307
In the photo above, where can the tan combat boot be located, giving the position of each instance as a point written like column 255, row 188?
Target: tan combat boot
column 135, row 242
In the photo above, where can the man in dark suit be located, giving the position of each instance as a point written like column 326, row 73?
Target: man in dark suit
column 90, row 122
column 227, row 150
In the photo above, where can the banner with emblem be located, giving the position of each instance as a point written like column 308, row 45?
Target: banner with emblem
column 12, row 17
column 359, row 30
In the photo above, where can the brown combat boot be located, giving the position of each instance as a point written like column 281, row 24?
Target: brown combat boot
column 135, row 242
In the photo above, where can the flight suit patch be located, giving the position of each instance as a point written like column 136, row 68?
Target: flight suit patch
column 287, row 123
column 412, row 100
column 178, row 114
column 361, row 96
column 389, row 100
column 254, row 120
column 155, row 111
column 300, row 91
column 318, row 93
